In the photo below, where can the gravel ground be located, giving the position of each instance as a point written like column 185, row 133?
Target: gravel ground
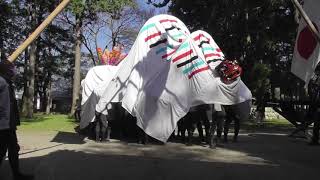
column 65, row 156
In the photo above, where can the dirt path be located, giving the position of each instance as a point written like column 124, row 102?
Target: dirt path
column 65, row 156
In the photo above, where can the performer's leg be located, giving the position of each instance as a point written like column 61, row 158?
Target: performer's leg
column 105, row 131
column 199, row 117
column 182, row 129
column 97, row 129
column 206, row 124
column 226, row 128
column 142, row 136
column 145, row 139
column 316, row 128
column 3, row 144
column 13, row 155
column 236, row 128
column 220, row 117
column 212, row 123
column 179, row 128
column 13, row 152
column 200, row 131
column 191, row 126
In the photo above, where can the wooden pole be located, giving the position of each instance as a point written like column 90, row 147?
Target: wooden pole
column 37, row 32
column 311, row 26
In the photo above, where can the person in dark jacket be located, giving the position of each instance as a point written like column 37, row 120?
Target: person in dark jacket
column 314, row 95
column 9, row 120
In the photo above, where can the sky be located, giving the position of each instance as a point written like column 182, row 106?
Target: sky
column 143, row 5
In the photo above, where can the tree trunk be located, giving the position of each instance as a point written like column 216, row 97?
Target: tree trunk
column 29, row 94
column 36, row 94
column 76, row 75
column 49, row 97
column 31, row 77
column 2, row 55
column 26, row 84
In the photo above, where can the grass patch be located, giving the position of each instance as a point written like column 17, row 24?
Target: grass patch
column 47, row 123
column 270, row 124
column 278, row 122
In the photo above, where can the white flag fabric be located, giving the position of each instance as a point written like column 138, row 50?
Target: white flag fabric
column 211, row 51
column 237, row 91
column 164, row 74
column 307, row 51
column 93, row 86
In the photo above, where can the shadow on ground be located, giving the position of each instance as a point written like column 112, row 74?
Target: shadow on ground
column 257, row 156
column 279, row 149
column 68, row 138
column 65, row 165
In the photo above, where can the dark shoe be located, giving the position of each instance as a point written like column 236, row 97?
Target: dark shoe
column 213, row 144
column 105, row 140
column 21, row 176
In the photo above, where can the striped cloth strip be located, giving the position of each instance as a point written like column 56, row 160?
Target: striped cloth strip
column 195, row 62
column 204, row 49
column 161, row 41
column 181, row 47
column 152, row 36
column 213, row 60
column 187, row 61
column 198, row 71
column 185, row 54
column 167, row 20
column 203, row 42
column 172, row 28
column 201, row 36
column 193, row 67
column 212, row 55
column 146, row 27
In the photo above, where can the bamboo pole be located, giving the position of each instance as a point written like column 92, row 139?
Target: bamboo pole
column 311, row 26
column 37, row 32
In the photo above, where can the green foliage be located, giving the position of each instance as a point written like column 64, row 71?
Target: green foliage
column 89, row 8
column 77, row 6
column 10, row 33
column 113, row 5
column 260, row 79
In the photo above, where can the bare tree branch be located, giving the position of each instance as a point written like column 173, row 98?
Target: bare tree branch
column 159, row 5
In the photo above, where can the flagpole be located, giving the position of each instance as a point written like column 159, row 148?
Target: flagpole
column 311, row 26
column 37, row 32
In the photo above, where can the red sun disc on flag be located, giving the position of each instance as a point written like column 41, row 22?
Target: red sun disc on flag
column 306, row 42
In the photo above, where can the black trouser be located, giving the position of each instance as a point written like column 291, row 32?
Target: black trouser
column 231, row 116
column 102, row 127
column 77, row 115
column 9, row 142
column 215, row 119
column 186, row 124
column 316, row 128
column 314, row 114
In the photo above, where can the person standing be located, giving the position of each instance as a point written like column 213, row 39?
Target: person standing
column 314, row 95
column 9, row 120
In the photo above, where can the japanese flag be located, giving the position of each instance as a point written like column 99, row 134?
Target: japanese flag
column 307, row 51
